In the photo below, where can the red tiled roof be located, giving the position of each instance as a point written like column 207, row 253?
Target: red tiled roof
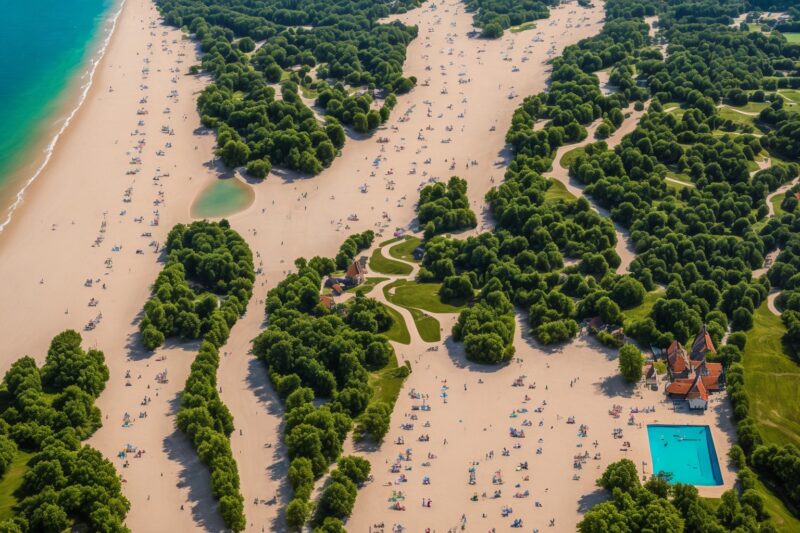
column 327, row 301
column 714, row 369
column 677, row 360
column 697, row 390
column 679, row 387
column 702, row 344
column 691, row 388
column 673, row 347
column 711, row 383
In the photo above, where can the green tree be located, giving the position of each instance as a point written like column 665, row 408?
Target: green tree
column 630, row 363
column 234, row 153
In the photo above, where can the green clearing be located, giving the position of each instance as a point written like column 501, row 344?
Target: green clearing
column 427, row 326
column 423, row 296
column 311, row 94
column 793, row 95
column 772, row 380
column 779, row 514
column 405, row 251
column 382, row 265
column 677, row 112
column 386, row 383
column 557, row 191
column 389, row 241
column 736, row 117
column 793, row 38
column 11, row 482
column 523, row 27
column 776, row 201
column 751, row 107
column 680, row 176
column 367, row 286
column 677, row 186
column 570, row 156
column 642, row 311
column 399, row 331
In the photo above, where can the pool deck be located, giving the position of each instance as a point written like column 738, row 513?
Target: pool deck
column 718, row 417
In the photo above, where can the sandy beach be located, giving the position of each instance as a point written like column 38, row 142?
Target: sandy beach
column 87, row 233
column 86, row 218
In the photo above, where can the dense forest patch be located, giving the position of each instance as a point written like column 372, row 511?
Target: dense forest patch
column 337, row 52
column 54, row 482
column 341, row 356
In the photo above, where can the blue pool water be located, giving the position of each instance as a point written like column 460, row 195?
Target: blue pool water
column 685, row 452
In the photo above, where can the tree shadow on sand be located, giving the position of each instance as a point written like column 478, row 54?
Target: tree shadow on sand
column 194, row 475
column 587, row 501
column 278, row 468
column 616, row 386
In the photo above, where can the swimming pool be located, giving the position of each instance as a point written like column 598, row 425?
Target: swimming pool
column 685, row 452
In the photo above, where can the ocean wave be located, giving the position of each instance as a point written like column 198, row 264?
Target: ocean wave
column 110, row 27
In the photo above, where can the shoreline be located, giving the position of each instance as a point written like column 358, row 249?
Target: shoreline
column 39, row 150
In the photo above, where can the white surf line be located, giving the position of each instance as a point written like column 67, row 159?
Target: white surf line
column 51, row 147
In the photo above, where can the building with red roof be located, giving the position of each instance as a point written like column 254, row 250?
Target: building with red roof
column 692, row 377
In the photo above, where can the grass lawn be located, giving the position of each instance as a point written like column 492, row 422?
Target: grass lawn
column 523, row 27
column 382, row 265
column 793, row 38
column 793, row 95
column 386, row 383
column 751, row 107
column 680, row 176
column 399, row 331
column 557, row 191
column 776, row 204
column 389, row 241
column 423, row 296
column 772, row 380
column 405, row 251
column 779, row 514
column 570, row 156
column 736, row 117
column 678, row 112
column 677, row 186
column 11, row 482
column 428, row 327
column 367, row 286
column 643, row 310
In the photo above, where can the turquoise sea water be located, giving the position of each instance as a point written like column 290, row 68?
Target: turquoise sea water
column 44, row 44
column 686, row 453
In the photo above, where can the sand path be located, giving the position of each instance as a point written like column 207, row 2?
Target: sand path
column 771, row 297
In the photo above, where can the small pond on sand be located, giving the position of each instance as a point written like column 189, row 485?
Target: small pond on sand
column 224, row 197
